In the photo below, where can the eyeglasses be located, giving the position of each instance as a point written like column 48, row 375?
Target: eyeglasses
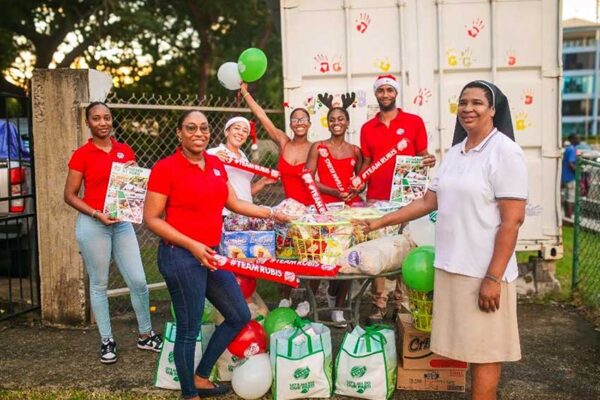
column 193, row 128
column 298, row 120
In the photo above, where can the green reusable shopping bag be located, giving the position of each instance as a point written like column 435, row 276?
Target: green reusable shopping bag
column 166, row 373
column 366, row 363
column 301, row 361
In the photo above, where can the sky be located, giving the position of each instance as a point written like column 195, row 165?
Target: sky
column 584, row 9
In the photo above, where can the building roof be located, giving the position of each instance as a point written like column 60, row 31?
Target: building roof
column 579, row 23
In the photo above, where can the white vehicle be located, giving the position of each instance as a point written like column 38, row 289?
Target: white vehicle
column 434, row 48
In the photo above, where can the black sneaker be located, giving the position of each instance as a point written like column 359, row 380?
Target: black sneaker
column 153, row 342
column 108, row 351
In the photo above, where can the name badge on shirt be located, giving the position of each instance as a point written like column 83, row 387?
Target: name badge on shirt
column 217, row 172
column 399, row 131
column 120, row 155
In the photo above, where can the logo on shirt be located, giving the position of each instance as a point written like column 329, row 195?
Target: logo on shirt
column 217, row 172
column 353, row 162
column 399, row 131
column 120, row 155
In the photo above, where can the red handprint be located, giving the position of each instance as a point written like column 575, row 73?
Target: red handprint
column 527, row 97
column 322, row 63
column 476, row 27
column 422, row 97
column 511, row 58
column 362, row 23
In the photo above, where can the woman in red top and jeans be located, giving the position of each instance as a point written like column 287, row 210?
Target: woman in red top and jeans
column 187, row 192
column 346, row 159
column 101, row 237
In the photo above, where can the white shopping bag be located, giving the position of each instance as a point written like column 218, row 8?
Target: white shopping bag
column 366, row 363
column 301, row 361
column 225, row 365
column 166, row 373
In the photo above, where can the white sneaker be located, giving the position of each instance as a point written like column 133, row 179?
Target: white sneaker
column 285, row 303
column 302, row 309
column 338, row 317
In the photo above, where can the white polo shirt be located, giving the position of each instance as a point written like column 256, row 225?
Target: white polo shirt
column 467, row 186
column 240, row 180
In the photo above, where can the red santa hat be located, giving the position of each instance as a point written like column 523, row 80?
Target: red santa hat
column 386, row 80
column 254, row 146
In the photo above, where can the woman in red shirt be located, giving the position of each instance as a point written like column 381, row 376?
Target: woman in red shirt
column 187, row 192
column 346, row 160
column 100, row 236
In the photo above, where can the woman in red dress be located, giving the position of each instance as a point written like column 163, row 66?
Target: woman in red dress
column 346, row 160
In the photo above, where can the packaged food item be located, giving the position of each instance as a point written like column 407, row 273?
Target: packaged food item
column 375, row 256
column 261, row 224
column 284, row 248
column 261, row 244
column 292, row 208
column 234, row 244
column 235, row 223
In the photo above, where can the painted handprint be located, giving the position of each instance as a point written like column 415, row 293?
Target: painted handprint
column 323, row 121
column 310, row 104
column 422, row 97
column 322, row 63
column 453, row 105
column 363, row 22
column 527, row 96
column 511, row 58
column 383, row 64
column 475, row 28
column 361, row 98
column 451, row 57
column 521, row 121
column 337, row 63
column 467, row 58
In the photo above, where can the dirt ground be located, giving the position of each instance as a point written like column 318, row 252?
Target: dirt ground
column 561, row 360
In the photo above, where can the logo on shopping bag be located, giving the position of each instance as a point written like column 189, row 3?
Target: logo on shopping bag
column 433, row 216
column 302, row 373
column 171, row 357
column 358, row 371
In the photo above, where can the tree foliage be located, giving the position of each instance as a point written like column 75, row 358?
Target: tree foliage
column 159, row 46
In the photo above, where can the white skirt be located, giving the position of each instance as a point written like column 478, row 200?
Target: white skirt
column 461, row 331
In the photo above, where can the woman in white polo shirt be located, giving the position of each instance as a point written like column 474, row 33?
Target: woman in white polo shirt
column 237, row 130
column 479, row 192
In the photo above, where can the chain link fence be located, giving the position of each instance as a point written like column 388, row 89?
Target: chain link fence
column 147, row 123
column 586, row 247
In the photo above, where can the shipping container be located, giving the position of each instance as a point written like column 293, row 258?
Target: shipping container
column 434, row 48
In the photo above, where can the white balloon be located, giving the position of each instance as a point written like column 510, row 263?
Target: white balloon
column 252, row 378
column 422, row 230
column 229, row 76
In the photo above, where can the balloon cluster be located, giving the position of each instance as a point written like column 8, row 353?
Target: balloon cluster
column 250, row 67
column 252, row 378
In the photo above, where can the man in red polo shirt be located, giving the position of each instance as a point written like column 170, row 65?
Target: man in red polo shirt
column 377, row 137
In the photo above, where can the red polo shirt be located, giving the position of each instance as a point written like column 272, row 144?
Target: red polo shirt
column 376, row 139
column 95, row 165
column 196, row 197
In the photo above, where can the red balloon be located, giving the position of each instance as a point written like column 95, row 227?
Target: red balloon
column 251, row 340
column 247, row 284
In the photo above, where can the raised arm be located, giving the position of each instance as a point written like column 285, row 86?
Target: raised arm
column 276, row 134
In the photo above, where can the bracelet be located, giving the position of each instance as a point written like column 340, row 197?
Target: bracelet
column 245, row 94
column 95, row 214
column 271, row 213
column 492, row 278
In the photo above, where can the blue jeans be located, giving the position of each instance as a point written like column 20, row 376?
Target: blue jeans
column 97, row 243
column 189, row 283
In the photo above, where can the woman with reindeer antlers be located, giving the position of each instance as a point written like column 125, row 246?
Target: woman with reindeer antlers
column 336, row 162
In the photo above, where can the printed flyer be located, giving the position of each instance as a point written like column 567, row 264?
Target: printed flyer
column 126, row 192
column 410, row 180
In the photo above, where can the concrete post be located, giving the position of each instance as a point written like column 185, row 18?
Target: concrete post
column 58, row 130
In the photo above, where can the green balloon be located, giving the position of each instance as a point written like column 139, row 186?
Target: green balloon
column 207, row 316
column 278, row 319
column 252, row 64
column 417, row 270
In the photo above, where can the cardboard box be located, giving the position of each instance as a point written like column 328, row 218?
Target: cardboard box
column 439, row 380
column 414, row 352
